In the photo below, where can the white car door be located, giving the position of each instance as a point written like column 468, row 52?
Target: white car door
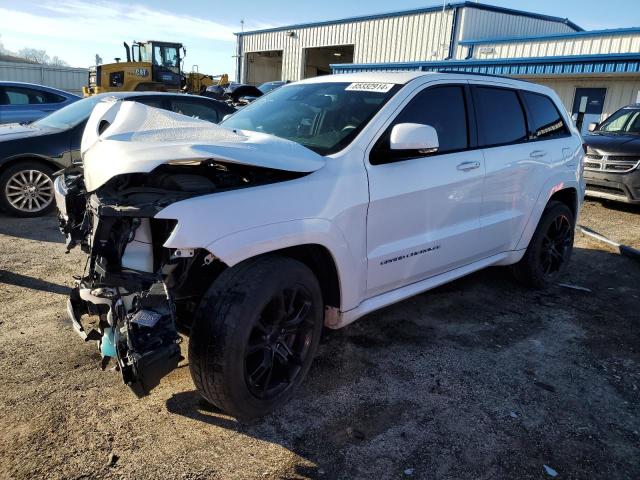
column 518, row 157
column 423, row 215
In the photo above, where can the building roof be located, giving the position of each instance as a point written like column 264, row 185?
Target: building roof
column 435, row 8
column 14, row 59
column 534, row 66
column 555, row 36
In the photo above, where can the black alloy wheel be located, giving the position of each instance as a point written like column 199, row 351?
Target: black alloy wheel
column 279, row 343
column 556, row 245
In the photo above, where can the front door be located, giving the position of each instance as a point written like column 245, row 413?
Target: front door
column 588, row 104
column 424, row 209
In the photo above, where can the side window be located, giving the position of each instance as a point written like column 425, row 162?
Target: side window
column 499, row 116
column 53, row 98
column 195, row 110
column 444, row 109
column 27, row 96
column 17, row 96
column 545, row 122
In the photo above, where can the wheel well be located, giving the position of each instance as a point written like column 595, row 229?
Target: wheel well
column 321, row 263
column 42, row 161
column 569, row 197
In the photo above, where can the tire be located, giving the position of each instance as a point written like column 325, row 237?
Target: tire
column 237, row 334
column 36, row 197
column 548, row 254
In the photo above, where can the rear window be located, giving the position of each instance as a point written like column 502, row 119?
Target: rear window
column 546, row 121
column 500, row 117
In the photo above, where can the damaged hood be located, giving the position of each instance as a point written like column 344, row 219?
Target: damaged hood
column 136, row 138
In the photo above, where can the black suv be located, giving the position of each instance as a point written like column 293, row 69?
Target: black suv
column 612, row 164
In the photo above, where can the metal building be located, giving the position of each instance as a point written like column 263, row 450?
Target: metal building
column 594, row 72
column 64, row 78
column 300, row 51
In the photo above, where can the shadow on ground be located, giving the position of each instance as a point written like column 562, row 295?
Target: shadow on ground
column 26, row 281
column 43, row 229
column 480, row 378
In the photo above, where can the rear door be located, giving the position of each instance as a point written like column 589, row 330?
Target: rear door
column 424, row 209
column 519, row 151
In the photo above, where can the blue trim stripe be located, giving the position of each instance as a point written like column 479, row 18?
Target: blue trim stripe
column 435, row 8
column 565, row 65
column 594, row 33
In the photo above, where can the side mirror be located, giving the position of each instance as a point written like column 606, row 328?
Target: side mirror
column 414, row 136
column 592, row 127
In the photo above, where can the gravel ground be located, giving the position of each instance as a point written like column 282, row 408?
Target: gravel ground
column 478, row 379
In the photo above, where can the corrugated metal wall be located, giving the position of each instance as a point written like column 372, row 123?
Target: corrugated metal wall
column 401, row 38
column 578, row 45
column 64, row 78
column 477, row 24
column 620, row 92
column 390, row 39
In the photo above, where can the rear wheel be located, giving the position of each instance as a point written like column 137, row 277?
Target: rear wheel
column 26, row 189
column 550, row 249
column 255, row 334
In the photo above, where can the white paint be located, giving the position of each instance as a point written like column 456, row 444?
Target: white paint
column 394, row 230
column 356, row 215
column 140, row 138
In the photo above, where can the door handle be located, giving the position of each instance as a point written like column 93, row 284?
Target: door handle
column 537, row 154
column 466, row 166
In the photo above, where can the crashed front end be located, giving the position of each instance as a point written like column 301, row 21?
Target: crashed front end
column 137, row 161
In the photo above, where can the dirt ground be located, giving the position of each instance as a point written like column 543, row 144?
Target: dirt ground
column 477, row 379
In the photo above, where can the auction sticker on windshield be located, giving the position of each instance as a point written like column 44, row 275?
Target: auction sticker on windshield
column 370, row 87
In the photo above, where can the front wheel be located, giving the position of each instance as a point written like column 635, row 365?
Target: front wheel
column 255, row 334
column 550, row 248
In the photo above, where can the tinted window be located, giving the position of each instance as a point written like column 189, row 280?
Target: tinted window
column 195, row 110
column 545, row 120
column 499, row 115
column 28, row 96
column 444, row 109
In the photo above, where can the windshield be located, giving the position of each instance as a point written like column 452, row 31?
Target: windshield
column 623, row 121
column 71, row 115
column 323, row 117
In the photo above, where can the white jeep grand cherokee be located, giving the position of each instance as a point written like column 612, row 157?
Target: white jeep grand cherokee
column 318, row 203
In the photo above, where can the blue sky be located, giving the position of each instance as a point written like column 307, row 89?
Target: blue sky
column 76, row 30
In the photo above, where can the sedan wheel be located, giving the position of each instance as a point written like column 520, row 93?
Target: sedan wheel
column 27, row 190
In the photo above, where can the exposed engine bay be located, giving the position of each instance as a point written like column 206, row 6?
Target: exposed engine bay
column 142, row 292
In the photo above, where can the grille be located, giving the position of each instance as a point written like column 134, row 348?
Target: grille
column 611, row 163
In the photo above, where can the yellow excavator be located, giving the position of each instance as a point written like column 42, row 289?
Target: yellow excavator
column 150, row 66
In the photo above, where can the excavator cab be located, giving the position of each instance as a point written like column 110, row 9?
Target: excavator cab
column 164, row 58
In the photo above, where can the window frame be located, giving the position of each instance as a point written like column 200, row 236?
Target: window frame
column 525, row 116
column 469, row 111
column 530, row 120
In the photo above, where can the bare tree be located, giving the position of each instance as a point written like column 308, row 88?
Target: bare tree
column 42, row 57
column 58, row 62
column 35, row 55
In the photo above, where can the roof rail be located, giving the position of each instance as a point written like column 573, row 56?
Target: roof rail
column 481, row 74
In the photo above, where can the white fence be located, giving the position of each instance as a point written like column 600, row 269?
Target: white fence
column 64, row 78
